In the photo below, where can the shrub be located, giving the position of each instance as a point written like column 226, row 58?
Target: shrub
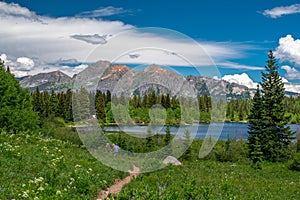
column 295, row 165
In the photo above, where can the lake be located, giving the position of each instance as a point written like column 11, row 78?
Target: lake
column 198, row 131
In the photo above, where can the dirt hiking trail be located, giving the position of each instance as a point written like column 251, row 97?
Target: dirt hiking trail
column 117, row 187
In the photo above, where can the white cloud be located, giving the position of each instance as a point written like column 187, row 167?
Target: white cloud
column 282, row 10
column 242, row 79
column 15, row 10
column 46, row 40
column 24, row 66
column 238, row 66
column 291, row 73
column 3, row 57
column 102, row 12
column 292, row 87
column 288, row 50
column 284, row 80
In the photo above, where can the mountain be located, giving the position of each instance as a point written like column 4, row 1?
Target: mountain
column 119, row 78
column 45, row 81
column 111, row 77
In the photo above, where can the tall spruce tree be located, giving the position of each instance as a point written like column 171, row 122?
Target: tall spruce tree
column 255, row 130
column 16, row 112
column 100, row 107
column 167, row 141
column 277, row 136
column 81, row 105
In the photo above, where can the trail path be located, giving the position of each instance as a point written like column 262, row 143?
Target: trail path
column 117, row 187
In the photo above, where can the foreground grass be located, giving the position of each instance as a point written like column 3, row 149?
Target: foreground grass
column 35, row 167
column 216, row 180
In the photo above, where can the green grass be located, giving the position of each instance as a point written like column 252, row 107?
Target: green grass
column 207, row 179
column 33, row 166
column 36, row 167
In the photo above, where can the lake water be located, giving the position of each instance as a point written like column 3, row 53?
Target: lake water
column 198, row 131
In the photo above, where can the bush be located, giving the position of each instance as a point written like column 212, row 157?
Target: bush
column 295, row 165
column 55, row 127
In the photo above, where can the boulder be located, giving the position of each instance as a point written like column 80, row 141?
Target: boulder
column 171, row 160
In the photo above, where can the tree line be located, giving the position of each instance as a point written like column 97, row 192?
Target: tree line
column 100, row 105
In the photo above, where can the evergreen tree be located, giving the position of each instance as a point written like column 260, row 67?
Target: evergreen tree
column 46, row 105
column 81, row 104
column 152, row 99
column 167, row 141
column 149, row 139
column 167, row 101
column 69, row 111
column 108, row 97
column 16, row 110
column 100, row 107
column 187, row 140
column 277, row 136
column 255, row 129
column 37, row 102
column 53, row 110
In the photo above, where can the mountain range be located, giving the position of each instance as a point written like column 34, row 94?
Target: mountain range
column 119, row 78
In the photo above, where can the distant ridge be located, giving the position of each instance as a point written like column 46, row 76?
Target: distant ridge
column 104, row 76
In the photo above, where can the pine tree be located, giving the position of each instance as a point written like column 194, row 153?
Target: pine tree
column 167, row 101
column 255, row 129
column 277, row 136
column 53, row 109
column 167, row 141
column 81, row 104
column 100, row 107
column 16, row 110
column 69, row 111
column 187, row 142
column 149, row 139
column 108, row 97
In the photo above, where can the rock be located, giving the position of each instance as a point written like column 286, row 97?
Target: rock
column 171, row 160
column 135, row 172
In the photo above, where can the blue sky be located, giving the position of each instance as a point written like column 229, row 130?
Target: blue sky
column 237, row 34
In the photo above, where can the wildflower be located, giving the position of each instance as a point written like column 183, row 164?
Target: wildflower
column 25, row 194
column 36, row 198
column 41, row 189
column 58, row 192
column 77, row 166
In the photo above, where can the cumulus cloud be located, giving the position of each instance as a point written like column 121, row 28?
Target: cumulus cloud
column 282, row 10
column 20, row 66
column 15, row 10
column 291, row 72
column 292, row 87
column 92, row 39
column 288, row 50
column 24, row 66
column 102, row 12
column 242, row 79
